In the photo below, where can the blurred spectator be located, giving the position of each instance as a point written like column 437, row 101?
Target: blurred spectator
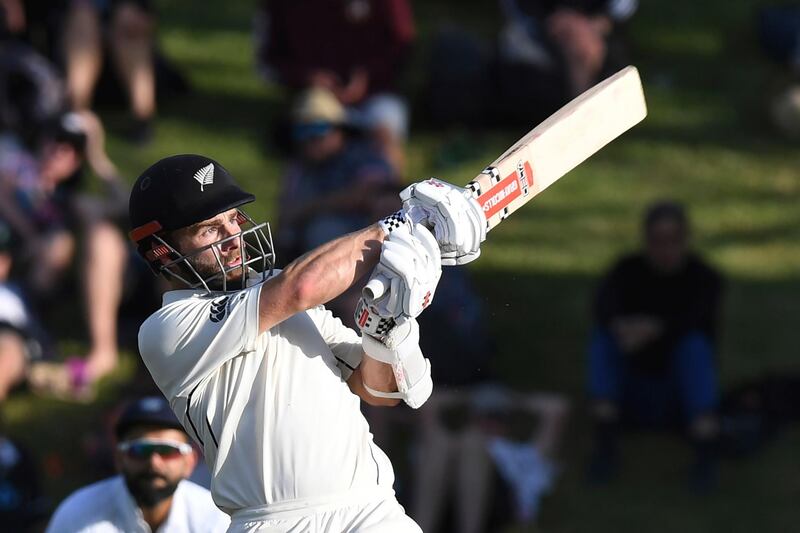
column 12, row 17
column 22, row 506
column 331, row 185
column 477, row 455
column 572, row 36
column 151, row 492
column 126, row 28
column 483, row 454
column 753, row 413
column 35, row 22
column 354, row 48
column 552, row 50
column 779, row 35
column 23, row 509
column 31, row 91
column 327, row 188
column 17, row 343
column 547, row 52
column 652, row 354
column 45, row 217
column 468, row 440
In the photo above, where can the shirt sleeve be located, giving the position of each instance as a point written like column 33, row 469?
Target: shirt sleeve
column 62, row 520
column 343, row 341
column 78, row 513
column 187, row 340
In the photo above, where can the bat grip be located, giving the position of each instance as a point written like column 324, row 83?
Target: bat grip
column 375, row 287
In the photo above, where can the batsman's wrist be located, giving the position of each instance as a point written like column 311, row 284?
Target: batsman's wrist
column 370, row 322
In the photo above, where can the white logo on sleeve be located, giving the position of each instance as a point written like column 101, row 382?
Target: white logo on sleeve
column 205, row 176
column 218, row 309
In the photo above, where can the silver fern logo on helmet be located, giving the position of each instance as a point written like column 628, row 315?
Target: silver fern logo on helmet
column 205, row 176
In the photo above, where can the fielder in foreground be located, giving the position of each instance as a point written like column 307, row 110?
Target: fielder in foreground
column 262, row 376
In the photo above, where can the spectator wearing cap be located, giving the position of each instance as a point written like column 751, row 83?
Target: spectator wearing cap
column 327, row 187
column 332, row 183
column 354, row 48
column 651, row 357
column 151, row 492
column 45, row 215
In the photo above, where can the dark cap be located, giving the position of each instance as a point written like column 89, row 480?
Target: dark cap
column 69, row 128
column 665, row 210
column 179, row 191
column 147, row 411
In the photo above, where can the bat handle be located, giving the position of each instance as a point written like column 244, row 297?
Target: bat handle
column 375, row 287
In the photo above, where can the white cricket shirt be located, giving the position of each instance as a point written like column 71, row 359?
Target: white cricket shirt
column 108, row 507
column 276, row 422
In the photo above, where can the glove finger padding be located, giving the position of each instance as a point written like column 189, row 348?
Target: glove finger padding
column 452, row 259
column 410, row 267
column 455, row 216
column 412, row 371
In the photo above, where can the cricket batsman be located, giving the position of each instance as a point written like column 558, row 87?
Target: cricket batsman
column 260, row 374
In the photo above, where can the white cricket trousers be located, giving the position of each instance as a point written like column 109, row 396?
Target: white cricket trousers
column 376, row 511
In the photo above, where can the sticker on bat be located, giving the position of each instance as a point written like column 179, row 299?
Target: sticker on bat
column 523, row 178
column 507, row 190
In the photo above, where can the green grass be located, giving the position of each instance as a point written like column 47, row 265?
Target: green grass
column 705, row 143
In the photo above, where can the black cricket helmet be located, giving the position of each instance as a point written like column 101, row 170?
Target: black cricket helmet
column 182, row 190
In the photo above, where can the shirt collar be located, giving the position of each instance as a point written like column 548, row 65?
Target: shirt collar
column 253, row 278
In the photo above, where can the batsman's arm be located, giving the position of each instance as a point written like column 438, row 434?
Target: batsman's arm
column 377, row 376
column 319, row 275
column 357, row 369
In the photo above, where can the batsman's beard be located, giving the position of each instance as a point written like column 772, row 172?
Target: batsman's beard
column 210, row 270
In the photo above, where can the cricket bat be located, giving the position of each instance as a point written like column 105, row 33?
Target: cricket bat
column 563, row 141
column 560, row 143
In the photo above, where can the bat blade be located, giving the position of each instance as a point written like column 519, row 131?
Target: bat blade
column 559, row 144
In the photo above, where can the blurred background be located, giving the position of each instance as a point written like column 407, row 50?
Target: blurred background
column 567, row 398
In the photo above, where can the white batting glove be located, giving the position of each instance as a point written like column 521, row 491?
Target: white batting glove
column 405, row 279
column 399, row 347
column 370, row 322
column 455, row 216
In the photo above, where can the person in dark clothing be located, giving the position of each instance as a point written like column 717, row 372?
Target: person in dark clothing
column 562, row 47
column 355, row 49
column 352, row 48
column 23, row 507
column 652, row 352
column 331, row 183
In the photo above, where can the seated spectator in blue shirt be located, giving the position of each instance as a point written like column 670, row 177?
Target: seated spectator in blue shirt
column 652, row 355
column 327, row 187
column 332, row 184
